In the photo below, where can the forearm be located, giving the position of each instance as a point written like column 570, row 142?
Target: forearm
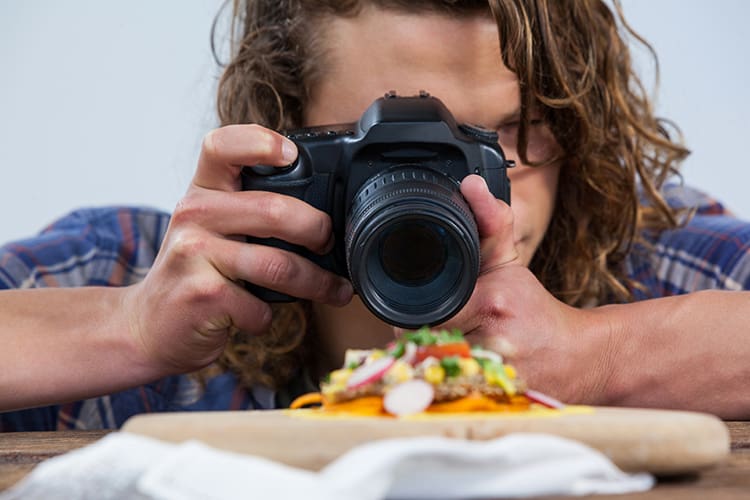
column 689, row 352
column 62, row 345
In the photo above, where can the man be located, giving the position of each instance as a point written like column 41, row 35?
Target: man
column 589, row 230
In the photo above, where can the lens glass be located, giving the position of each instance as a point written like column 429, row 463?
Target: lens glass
column 412, row 253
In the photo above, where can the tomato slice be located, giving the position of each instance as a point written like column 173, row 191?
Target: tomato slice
column 440, row 351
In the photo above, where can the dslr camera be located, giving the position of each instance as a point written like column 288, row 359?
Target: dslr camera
column 404, row 234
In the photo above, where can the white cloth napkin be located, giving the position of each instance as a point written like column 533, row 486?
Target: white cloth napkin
column 123, row 465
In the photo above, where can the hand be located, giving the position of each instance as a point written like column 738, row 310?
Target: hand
column 512, row 313
column 192, row 299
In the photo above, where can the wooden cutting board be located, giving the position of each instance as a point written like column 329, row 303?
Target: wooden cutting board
column 658, row 441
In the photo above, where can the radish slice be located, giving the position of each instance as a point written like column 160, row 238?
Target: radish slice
column 410, row 353
column 409, row 398
column 543, row 399
column 370, row 372
column 488, row 355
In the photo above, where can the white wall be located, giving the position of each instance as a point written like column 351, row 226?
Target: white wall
column 705, row 73
column 101, row 102
column 106, row 102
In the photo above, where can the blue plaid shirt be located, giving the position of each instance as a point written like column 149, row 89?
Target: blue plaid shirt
column 115, row 246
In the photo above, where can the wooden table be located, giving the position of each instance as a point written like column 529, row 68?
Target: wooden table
column 20, row 452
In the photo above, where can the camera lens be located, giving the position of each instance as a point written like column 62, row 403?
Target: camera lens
column 412, row 252
column 412, row 246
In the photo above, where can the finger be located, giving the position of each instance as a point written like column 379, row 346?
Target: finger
column 469, row 319
column 487, row 308
column 218, row 306
column 279, row 270
column 247, row 312
column 257, row 213
column 225, row 150
column 494, row 222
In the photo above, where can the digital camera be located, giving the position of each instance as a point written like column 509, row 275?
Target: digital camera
column 404, row 234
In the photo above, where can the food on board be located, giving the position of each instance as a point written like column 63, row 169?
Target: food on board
column 424, row 371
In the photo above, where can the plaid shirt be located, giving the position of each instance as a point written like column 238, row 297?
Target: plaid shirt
column 116, row 246
column 711, row 252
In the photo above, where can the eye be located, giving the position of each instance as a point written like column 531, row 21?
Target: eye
column 512, row 126
column 540, row 144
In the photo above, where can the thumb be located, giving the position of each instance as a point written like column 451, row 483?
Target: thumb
column 494, row 221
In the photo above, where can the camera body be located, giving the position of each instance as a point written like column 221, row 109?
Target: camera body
column 403, row 233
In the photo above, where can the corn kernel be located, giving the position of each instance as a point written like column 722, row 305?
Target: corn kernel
column 399, row 372
column 490, row 377
column 434, row 374
column 510, row 371
column 376, row 354
column 469, row 366
column 340, row 376
column 508, row 386
column 502, row 380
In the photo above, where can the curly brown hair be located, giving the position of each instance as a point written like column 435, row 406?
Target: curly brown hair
column 573, row 64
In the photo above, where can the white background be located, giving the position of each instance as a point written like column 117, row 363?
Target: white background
column 105, row 102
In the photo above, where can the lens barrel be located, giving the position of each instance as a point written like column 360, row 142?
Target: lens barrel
column 412, row 246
